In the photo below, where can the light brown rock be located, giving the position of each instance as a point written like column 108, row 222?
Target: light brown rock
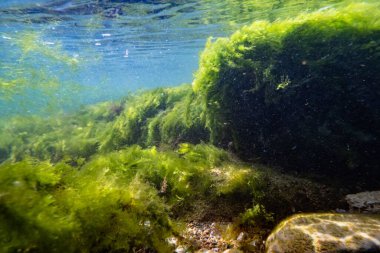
column 326, row 233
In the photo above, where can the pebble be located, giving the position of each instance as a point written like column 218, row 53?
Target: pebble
column 180, row 249
column 232, row 251
column 242, row 236
column 172, row 241
column 206, row 236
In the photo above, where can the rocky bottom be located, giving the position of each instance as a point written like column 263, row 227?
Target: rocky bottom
column 207, row 237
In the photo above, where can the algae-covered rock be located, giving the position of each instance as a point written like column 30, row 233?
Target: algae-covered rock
column 160, row 116
column 301, row 93
column 326, row 233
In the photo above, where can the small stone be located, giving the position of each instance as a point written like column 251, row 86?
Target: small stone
column 180, row 249
column 242, row 236
column 172, row 241
column 204, row 251
column 232, row 251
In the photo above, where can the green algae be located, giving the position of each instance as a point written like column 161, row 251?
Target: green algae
column 115, row 201
column 132, row 195
column 20, row 79
column 32, row 45
column 162, row 116
column 56, row 208
column 53, row 139
column 114, row 177
column 298, row 92
column 165, row 116
column 256, row 216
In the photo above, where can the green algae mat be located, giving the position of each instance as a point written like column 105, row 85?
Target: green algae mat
column 300, row 93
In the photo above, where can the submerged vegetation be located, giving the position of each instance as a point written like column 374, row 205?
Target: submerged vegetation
column 20, row 79
column 130, row 199
column 118, row 177
column 300, row 93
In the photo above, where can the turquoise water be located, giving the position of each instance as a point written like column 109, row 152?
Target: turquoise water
column 57, row 55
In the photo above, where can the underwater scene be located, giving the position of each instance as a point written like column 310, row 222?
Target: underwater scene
column 189, row 126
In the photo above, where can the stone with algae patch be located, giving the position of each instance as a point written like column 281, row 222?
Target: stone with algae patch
column 317, row 233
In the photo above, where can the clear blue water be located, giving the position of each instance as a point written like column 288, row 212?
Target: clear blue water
column 58, row 55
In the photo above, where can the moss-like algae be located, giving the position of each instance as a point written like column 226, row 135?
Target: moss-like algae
column 112, row 177
column 162, row 116
column 115, row 201
column 300, row 93
column 120, row 200
column 48, row 208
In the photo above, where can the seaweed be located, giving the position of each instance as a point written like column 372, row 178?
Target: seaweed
column 58, row 208
column 115, row 201
column 21, row 81
column 161, row 116
column 299, row 93
column 117, row 176
column 75, row 136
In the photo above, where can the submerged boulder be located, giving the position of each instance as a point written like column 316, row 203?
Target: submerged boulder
column 326, row 233
column 300, row 93
column 366, row 202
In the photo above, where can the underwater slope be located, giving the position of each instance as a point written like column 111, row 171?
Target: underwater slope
column 302, row 93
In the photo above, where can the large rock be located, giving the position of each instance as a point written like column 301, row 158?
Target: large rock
column 365, row 202
column 301, row 93
column 317, row 233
